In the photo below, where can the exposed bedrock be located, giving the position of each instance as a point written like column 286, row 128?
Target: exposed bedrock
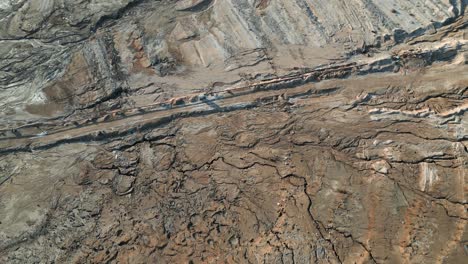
column 58, row 57
column 233, row 131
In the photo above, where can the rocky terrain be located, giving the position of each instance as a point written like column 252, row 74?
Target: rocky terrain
column 233, row 131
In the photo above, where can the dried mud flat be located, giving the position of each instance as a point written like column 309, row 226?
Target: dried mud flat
column 233, row 131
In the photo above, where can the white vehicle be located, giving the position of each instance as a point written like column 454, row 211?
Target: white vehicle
column 43, row 133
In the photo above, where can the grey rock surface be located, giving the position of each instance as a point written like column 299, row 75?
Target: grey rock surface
column 233, row 131
column 149, row 44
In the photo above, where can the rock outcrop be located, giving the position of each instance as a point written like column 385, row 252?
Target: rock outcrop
column 222, row 131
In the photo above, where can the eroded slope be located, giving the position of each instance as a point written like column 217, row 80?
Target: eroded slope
column 295, row 137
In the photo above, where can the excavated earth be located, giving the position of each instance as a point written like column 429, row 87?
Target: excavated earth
column 233, row 131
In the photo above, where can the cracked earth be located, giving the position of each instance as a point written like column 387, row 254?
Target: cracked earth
column 233, row 131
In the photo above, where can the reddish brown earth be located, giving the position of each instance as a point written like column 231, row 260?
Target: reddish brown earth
column 233, row 132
